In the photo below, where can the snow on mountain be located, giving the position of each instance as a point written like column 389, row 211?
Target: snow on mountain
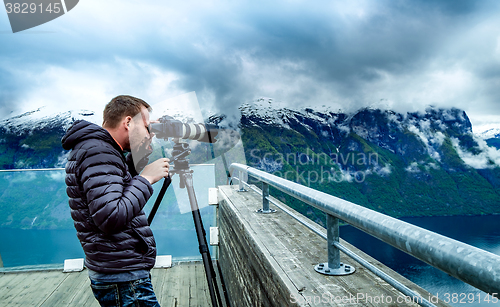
column 266, row 110
column 42, row 118
column 384, row 128
column 488, row 131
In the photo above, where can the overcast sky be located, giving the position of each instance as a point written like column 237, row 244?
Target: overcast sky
column 403, row 55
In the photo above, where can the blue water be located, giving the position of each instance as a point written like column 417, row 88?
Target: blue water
column 480, row 231
column 36, row 201
column 20, row 247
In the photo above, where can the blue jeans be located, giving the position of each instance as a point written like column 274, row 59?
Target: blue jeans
column 124, row 294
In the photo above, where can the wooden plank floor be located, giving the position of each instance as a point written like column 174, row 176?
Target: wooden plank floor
column 182, row 285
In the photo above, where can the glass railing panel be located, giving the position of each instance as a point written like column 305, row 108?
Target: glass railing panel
column 173, row 224
column 36, row 226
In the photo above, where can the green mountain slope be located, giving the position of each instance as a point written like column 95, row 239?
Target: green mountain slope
column 377, row 159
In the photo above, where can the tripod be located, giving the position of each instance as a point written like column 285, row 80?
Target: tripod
column 181, row 167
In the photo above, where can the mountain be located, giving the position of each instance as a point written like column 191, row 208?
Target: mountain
column 413, row 164
column 33, row 139
column 38, row 199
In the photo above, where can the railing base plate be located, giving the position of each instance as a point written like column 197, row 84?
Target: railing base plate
column 344, row 269
column 265, row 212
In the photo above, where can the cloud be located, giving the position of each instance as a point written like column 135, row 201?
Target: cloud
column 489, row 157
column 431, row 139
column 342, row 54
column 413, row 168
column 90, row 85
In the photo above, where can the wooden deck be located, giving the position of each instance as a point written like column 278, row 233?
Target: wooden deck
column 182, row 285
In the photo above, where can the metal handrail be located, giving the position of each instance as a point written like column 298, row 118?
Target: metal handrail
column 416, row 297
column 467, row 263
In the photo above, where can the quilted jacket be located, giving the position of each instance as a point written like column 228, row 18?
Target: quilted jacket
column 106, row 197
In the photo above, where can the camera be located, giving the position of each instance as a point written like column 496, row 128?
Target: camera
column 168, row 127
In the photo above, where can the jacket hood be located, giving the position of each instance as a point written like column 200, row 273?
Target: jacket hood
column 82, row 130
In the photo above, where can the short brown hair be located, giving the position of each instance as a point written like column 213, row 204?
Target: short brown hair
column 120, row 107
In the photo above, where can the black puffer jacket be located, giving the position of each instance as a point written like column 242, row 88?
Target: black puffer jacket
column 106, row 198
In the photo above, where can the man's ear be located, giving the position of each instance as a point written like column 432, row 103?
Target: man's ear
column 127, row 121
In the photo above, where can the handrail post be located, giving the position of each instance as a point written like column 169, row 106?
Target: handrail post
column 333, row 266
column 240, row 180
column 265, row 199
column 265, row 195
column 332, row 234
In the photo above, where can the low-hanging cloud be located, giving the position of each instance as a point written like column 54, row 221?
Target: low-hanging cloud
column 392, row 54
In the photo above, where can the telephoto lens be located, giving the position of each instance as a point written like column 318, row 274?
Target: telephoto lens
column 172, row 128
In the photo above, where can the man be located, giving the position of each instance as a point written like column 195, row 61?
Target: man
column 106, row 197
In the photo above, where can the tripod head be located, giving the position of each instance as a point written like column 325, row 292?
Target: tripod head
column 181, row 167
column 179, row 159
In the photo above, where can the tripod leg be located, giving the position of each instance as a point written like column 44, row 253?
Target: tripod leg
column 202, row 241
column 166, row 183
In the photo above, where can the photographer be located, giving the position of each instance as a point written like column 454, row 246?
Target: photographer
column 107, row 196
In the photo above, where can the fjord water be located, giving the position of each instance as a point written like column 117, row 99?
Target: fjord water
column 20, row 247
column 36, row 226
column 31, row 199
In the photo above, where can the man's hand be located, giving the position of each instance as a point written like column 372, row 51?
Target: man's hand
column 156, row 170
